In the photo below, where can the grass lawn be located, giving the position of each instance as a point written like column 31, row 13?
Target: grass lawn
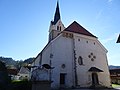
column 115, row 85
column 20, row 85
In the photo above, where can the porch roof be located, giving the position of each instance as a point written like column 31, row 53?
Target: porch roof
column 94, row 69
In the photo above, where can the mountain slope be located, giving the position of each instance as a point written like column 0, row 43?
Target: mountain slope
column 10, row 63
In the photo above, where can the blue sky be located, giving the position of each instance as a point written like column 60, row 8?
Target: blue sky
column 24, row 24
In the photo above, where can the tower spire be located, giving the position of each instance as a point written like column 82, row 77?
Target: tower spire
column 56, row 26
column 57, row 13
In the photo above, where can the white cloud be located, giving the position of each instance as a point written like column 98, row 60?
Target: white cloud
column 99, row 14
column 110, row 1
column 111, row 38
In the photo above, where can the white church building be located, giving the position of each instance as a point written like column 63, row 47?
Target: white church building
column 78, row 58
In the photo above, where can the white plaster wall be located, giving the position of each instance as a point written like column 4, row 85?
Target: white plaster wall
column 59, row 23
column 54, row 27
column 36, row 62
column 24, row 76
column 84, row 49
column 62, row 54
column 40, row 74
column 46, row 54
column 62, row 51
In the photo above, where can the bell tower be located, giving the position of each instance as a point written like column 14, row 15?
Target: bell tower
column 56, row 26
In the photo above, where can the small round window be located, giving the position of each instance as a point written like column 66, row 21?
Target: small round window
column 63, row 66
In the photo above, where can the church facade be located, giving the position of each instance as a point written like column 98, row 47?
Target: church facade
column 78, row 58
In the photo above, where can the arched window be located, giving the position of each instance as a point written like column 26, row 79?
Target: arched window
column 57, row 27
column 80, row 60
column 60, row 28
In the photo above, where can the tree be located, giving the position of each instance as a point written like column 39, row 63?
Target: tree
column 4, row 78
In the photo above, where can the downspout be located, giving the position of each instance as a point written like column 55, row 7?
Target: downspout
column 51, row 56
column 74, row 62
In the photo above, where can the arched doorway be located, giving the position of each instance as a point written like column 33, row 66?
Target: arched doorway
column 95, row 80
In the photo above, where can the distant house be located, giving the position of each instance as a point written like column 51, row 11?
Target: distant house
column 12, row 73
column 24, row 73
column 115, row 76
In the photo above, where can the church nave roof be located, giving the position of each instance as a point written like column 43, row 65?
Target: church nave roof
column 77, row 28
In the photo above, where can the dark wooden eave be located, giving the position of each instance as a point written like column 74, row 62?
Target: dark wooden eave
column 118, row 40
column 94, row 69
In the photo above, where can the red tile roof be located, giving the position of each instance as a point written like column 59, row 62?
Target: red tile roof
column 77, row 28
column 12, row 71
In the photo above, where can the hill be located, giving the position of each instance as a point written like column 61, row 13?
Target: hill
column 114, row 67
column 10, row 63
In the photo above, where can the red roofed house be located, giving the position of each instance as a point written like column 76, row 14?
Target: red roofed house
column 12, row 73
column 24, row 73
column 79, row 58
column 115, row 76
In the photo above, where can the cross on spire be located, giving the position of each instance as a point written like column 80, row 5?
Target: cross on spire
column 57, row 14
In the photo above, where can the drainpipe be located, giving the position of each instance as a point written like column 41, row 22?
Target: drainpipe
column 50, row 72
column 51, row 56
column 74, row 62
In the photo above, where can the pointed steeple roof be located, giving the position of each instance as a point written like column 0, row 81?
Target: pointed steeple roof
column 77, row 28
column 57, row 14
column 118, row 41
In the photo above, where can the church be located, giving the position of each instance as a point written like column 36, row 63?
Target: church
column 78, row 57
